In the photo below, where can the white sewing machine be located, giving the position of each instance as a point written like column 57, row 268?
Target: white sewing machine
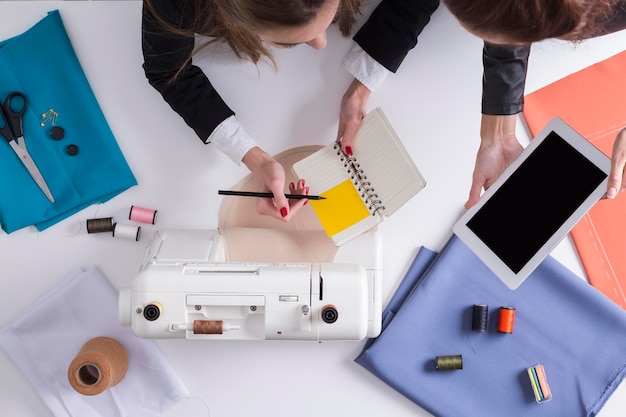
column 185, row 290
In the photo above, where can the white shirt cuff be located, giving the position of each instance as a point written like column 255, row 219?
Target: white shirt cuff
column 231, row 138
column 364, row 68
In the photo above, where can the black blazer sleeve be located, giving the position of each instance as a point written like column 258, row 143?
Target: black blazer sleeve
column 505, row 67
column 191, row 94
column 392, row 30
column 504, row 78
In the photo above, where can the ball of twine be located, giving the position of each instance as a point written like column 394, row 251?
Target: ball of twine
column 101, row 363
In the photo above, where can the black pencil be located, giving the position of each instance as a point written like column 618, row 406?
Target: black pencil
column 269, row 195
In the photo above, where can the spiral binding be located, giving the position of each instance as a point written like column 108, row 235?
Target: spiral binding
column 359, row 178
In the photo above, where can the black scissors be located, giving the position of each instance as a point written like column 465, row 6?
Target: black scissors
column 13, row 132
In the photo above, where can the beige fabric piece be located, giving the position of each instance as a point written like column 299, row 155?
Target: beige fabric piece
column 250, row 237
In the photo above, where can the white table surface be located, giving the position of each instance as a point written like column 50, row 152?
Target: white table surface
column 434, row 104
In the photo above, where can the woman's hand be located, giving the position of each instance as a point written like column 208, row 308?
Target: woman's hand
column 498, row 148
column 618, row 164
column 353, row 110
column 270, row 174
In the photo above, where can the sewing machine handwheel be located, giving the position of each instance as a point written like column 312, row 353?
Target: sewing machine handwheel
column 329, row 314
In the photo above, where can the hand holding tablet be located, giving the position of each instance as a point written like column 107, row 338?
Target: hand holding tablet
column 535, row 202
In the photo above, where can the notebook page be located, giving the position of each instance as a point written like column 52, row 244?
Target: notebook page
column 321, row 170
column 343, row 214
column 386, row 163
column 342, row 208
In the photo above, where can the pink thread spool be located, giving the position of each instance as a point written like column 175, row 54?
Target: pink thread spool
column 143, row 215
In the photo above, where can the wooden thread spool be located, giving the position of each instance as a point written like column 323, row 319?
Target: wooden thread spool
column 101, row 363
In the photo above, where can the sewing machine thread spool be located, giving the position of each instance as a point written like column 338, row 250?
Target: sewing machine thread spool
column 506, row 319
column 101, row 363
column 449, row 363
column 143, row 215
column 480, row 317
column 127, row 231
column 100, row 225
column 208, row 327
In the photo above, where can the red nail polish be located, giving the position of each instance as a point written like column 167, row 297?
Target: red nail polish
column 349, row 150
column 283, row 212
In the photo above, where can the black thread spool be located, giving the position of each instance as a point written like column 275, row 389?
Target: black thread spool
column 480, row 317
column 449, row 363
column 100, row 225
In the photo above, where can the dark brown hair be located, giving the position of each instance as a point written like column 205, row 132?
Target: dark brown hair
column 236, row 21
column 533, row 20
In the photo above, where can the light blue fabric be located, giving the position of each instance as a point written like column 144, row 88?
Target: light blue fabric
column 42, row 64
column 561, row 322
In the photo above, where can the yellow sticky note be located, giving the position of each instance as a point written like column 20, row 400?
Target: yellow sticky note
column 342, row 208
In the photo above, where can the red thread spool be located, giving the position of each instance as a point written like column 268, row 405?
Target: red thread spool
column 506, row 319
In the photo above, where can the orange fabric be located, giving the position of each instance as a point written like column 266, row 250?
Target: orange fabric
column 592, row 102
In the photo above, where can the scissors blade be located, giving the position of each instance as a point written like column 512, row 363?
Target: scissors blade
column 32, row 169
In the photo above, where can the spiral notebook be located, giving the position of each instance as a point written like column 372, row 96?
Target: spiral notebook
column 362, row 189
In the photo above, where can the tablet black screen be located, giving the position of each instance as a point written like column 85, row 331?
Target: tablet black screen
column 535, row 201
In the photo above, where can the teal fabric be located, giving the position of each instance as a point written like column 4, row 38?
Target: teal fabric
column 41, row 63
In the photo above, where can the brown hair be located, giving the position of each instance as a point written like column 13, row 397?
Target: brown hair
column 235, row 21
column 533, row 20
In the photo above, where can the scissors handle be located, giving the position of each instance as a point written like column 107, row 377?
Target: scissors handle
column 14, row 109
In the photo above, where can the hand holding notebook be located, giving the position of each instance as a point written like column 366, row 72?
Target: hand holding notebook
column 361, row 189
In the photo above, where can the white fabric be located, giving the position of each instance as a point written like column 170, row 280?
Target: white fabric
column 45, row 338
column 364, row 68
column 231, row 138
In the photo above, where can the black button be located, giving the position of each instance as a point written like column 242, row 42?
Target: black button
column 57, row 133
column 71, row 150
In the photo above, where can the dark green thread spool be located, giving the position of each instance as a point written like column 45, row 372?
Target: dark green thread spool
column 449, row 363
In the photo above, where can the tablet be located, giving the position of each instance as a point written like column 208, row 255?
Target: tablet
column 536, row 201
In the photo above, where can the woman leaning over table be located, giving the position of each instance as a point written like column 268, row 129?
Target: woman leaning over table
column 508, row 28
column 249, row 27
